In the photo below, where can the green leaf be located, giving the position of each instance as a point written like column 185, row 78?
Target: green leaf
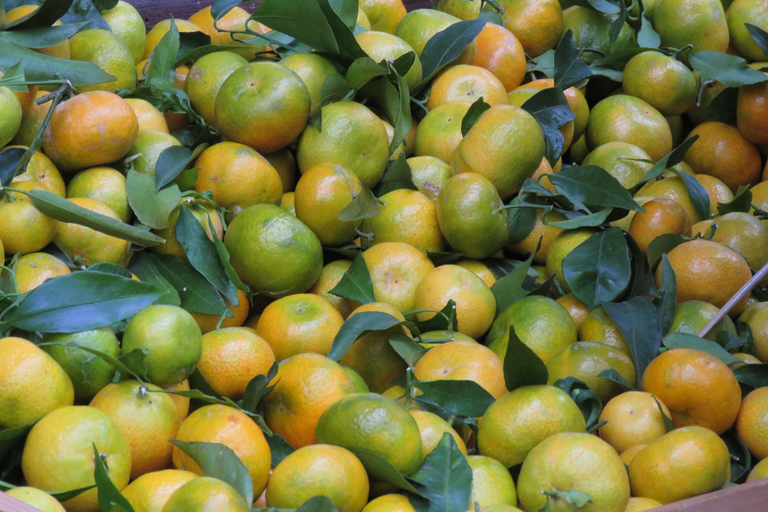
column 444, row 320
column 731, row 70
column 646, row 36
column 116, row 363
column 642, row 277
column 578, row 220
column 722, row 108
column 638, row 322
column 612, row 375
column 225, row 260
column 752, row 375
column 445, row 46
column 109, row 496
column 521, row 221
column 661, row 245
column 552, row 112
column 595, row 187
column 407, row 348
column 759, row 35
column 334, row 88
column 66, row 211
column 162, row 66
column 11, row 439
column 569, row 70
column 544, row 64
column 598, row 270
column 192, row 44
column 573, row 497
column 172, row 161
column 9, row 161
column 63, row 496
column 39, row 67
column 303, row 20
column 258, row 388
column 48, row 13
column 357, row 326
column 509, row 289
column 41, row 37
column 362, row 206
column 589, row 403
column 617, row 24
column 398, row 175
column 195, row 293
column 356, row 283
column 396, row 102
column 741, row 459
column 444, row 479
column 346, row 10
column 362, row 71
column 522, row 367
column 474, row 112
column 134, row 363
column 279, row 447
column 89, row 12
column 669, row 426
column 666, row 302
column 403, row 63
column 671, row 159
column 151, row 208
column 219, row 461
column 698, row 194
column 682, row 340
column 317, row 504
column 80, row 301
column 202, row 253
column 342, row 32
column 459, row 397
column 742, row 202
column 381, row 470
column 605, row 6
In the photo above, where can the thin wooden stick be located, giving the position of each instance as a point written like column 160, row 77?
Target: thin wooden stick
column 743, row 292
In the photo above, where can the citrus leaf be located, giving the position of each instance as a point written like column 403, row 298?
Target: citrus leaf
column 552, row 112
column 396, row 102
column 303, row 20
column 362, row 71
column 742, row 202
column 219, row 461
column 509, row 289
column 573, row 497
column 722, row 108
column 669, row 426
column 279, row 447
column 339, row 21
column 403, row 63
column 172, row 161
column 398, row 175
column 671, row 159
column 741, row 459
column 595, row 187
column 618, row 23
column 48, row 13
column 9, row 161
column 357, row 326
column 108, row 496
column 39, row 67
column 80, row 301
column 362, row 206
column 612, row 375
column 474, row 112
column 731, row 70
column 152, row 208
column 257, row 389
column 316, row 504
column 638, row 322
column 752, row 375
column 569, row 70
column 11, row 439
column 698, row 194
column 66, row 211
column 666, row 302
column 444, row 478
column 683, row 340
column 579, row 220
column 334, row 88
column 162, row 66
column 356, row 283
column 646, row 36
column 381, row 470
column 589, row 403
column 759, row 35
column 41, row 37
column 445, row 320
column 522, row 367
column 661, row 245
column 407, row 348
column 459, row 397
column 599, row 269
column 116, row 363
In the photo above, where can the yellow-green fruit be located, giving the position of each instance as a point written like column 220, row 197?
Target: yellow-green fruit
column 701, row 24
column 205, row 79
column 107, row 51
column 127, row 24
column 10, row 121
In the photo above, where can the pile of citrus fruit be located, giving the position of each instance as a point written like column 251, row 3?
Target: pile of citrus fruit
column 338, row 256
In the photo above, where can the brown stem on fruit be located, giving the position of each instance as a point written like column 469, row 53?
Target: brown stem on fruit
column 743, row 292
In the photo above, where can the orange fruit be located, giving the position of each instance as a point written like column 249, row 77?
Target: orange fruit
column 273, row 251
column 38, row 499
column 639, row 504
column 420, row 25
column 352, row 136
column 396, row 269
column 541, row 323
column 372, row 356
column 702, row 24
column 87, row 246
column 147, row 149
column 299, row 323
column 629, row 454
column 475, row 303
column 721, row 151
column 686, row 462
column 41, row 170
column 406, row 216
column 205, row 79
column 59, row 454
column 708, row 271
column 208, row 323
column 577, row 461
column 383, row 14
column 32, row 384
column 693, row 315
column 34, row 269
column 389, row 503
column 633, row 418
column 661, row 217
column 181, row 402
column 717, row 191
column 464, row 82
column 161, row 28
column 463, row 360
column 264, row 105
column 319, row 470
column 206, row 493
column 150, row 492
column 107, row 51
column 306, row 385
column 752, row 422
column 577, row 309
column 146, row 419
column 231, row 358
column 126, row 23
column 148, row 116
column 439, row 132
column 236, row 19
column 598, row 326
column 322, row 192
column 750, row 110
column 313, row 70
column 93, row 128
column 537, row 24
column 104, row 184
column 698, row 388
column 173, row 339
column 375, row 424
column 743, row 233
column 329, row 278
column 232, row 428
column 663, row 81
column 499, row 51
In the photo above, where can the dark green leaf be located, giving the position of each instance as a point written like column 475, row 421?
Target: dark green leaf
column 41, row 37
column 742, row 202
column 362, row 206
column 642, row 277
column 474, row 112
column 646, row 36
column 460, row 397
column 225, row 260
column 753, row 375
column 116, row 363
column 151, row 208
column 334, row 88
column 202, row 253
column 584, row 221
column 699, row 195
column 258, row 388
column 89, row 12
column 162, row 66
column 521, row 221
column 598, row 270
column 612, row 375
column 80, row 301
column 195, row 293
column 362, row 71
column 509, row 289
column 396, row 102
column 12, row 438
column 682, row 340
column 671, row 159
column 403, row 63
column 356, row 283
column 589, row 403
column 661, row 245
column 722, row 108
column 445, row 258
column 192, row 44
column 172, row 161
column 491, row 17
column 66, row 211
column 595, row 187
column 279, row 447
column 382, row 470
column 110, row 268
column 219, row 461
column 68, row 495
column 445, row 320
column 741, row 459
column 222, row 7
column 552, row 112
column 445, row 46
column 48, row 13
column 356, row 326
column 618, row 23
column 397, row 176
column 407, row 348
column 638, row 322
column 545, row 64
column 134, row 363
column 14, row 77
column 40, row 67
column 317, row 504
column 731, row 70
column 109, row 496
column 9, row 161
column 605, row 6
column 573, row 497
column 445, row 478
column 666, row 302
column 522, row 367
column 340, row 26
column 569, row 70
column 669, row 426
column 303, row 20
column 346, row 10
column 759, row 35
